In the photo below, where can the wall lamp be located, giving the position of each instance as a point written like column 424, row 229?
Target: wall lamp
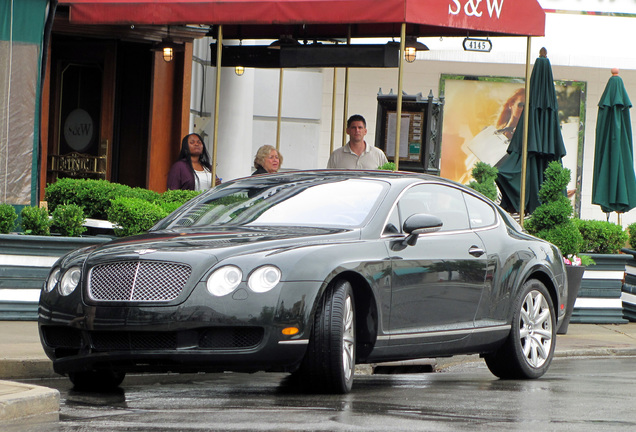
column 411, row 47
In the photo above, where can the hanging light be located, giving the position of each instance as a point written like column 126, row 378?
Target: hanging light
column 239, row 70
column 168, row 48
column 411, row 47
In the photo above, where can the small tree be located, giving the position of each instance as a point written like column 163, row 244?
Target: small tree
column 484, row 177
column 552, row 220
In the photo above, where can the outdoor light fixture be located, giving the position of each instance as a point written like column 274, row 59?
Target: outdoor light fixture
column 411, row 47
column 168, row 47
column 239, row 69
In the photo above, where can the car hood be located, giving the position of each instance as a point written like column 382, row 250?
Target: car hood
column 214, row 245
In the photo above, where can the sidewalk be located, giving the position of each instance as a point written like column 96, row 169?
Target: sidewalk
column 22, row 357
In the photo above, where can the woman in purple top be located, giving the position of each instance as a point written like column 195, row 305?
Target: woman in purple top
column 193, row 170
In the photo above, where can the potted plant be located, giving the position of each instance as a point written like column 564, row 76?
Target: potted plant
column 552, row 221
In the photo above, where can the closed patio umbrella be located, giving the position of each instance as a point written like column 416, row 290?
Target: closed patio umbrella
column 544, row 142
column 614, row 183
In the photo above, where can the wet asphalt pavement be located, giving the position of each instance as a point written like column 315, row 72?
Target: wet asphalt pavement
column 577, row 394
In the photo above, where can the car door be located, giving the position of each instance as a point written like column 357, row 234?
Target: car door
column 437, row 283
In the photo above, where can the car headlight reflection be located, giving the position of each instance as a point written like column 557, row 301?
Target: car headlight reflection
column 52, row 280
column 264, row 278
column 224, row 280
column 70, row 280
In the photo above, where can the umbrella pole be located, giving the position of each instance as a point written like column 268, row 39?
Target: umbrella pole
column 398, row 114
column 217, row 98
column 524, row 160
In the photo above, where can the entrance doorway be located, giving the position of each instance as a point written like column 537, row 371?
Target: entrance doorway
column 99, row 110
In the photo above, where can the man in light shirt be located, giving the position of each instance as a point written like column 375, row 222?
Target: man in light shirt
column 357, row 154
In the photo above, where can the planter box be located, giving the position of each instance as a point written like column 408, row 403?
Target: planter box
column 599, row 300
column 629, row 287
column 25, row 262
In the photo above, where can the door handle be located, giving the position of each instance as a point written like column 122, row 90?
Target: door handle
column 476, row 251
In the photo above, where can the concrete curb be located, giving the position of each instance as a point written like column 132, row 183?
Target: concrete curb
column 28, row 368
column 18, row 401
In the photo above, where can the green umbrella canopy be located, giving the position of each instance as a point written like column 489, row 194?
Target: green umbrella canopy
column 545, row 142
column 614, row 183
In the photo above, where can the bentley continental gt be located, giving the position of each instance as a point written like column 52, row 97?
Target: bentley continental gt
column 310, row 273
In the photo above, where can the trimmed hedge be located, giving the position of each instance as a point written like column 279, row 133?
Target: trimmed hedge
column 134, row 215
column 92, row 195
column 97, row 197
column 601, row 237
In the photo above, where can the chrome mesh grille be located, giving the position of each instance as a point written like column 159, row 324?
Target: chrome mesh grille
column 137, row 281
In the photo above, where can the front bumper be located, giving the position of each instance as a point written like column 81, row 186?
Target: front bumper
column 201, row 334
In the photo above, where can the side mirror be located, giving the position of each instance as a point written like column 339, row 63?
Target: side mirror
column 420, row 223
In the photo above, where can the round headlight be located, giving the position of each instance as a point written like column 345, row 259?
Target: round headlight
column 264, row 278
column 70, row 280
column 224, row 280
column 51, row 281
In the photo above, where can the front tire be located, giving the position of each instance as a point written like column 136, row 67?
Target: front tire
column 529, row 350
column 329, row 363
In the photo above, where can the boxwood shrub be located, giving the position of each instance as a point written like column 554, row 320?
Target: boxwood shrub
column 631, row 232
column 8, row 215
column 134, row 215
column 96, row 197
column 601, row 237
column 68, row 220
column 35, row 221
column 92, row 195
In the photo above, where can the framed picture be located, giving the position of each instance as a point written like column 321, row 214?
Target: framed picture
column 481, row 114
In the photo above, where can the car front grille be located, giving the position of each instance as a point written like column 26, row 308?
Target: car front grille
column 137, row 281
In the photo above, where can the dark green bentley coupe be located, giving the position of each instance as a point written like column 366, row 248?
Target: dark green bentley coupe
column 311, row 273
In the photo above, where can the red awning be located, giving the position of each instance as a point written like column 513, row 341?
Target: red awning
column 260, row 19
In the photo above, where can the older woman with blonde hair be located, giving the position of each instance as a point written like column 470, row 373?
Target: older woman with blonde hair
column 267, row 160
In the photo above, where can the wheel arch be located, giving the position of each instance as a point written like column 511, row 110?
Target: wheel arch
column 543, row 277
column 366, row 312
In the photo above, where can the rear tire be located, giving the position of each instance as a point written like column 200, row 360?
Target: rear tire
column 528, row 352
column 96, row 381
column 329, row 363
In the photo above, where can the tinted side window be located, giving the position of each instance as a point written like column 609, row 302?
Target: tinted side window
column 442, row 201
column 481, row 214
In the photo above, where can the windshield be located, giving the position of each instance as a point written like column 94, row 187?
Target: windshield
column 314, row 202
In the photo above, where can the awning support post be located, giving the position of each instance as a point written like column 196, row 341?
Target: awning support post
column 280, row 108
column 217, row 98
column 333, row 110
column 345, row 108
column 398, row 114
